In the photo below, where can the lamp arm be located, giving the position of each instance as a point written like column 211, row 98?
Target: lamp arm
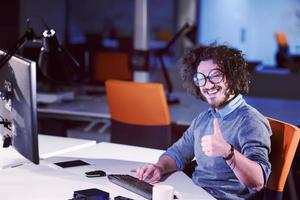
column 160, row 52
column 28, row 35
column 70, row 57
column 176, row 36
column 166, row 75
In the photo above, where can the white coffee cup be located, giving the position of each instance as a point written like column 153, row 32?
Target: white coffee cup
column 162, row 192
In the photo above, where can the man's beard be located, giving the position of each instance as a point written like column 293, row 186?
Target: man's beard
column 223, row 103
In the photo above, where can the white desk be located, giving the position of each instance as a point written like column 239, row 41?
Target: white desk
column 52, row 146
column 48, row 146
column 39, row 182
column 121, row 159
column 183, row 113
column 46, row 181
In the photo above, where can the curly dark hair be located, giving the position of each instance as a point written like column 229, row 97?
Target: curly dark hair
column 230, row 60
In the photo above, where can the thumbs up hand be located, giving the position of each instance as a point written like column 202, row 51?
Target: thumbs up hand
column 214, row 145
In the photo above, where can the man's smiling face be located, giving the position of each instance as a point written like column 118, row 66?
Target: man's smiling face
column 216, row 94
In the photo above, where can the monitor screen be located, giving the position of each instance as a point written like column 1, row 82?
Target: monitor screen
column 18, row 106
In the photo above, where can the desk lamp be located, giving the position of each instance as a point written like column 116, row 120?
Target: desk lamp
column 28, row 35
column 190, row 32
column 55, row 61
column 60, row 68
column 56, row 66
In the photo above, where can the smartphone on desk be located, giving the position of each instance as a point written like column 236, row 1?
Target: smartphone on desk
column 71, row 163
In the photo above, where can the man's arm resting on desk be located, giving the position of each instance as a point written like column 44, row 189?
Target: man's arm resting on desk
column 164, row 165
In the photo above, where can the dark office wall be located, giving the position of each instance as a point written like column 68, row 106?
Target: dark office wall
column 112, row 18
column 9, row 29
column 95, row 16
column 51, row 11
column 106, row 18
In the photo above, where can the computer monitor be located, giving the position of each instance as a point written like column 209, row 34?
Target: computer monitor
column 18, row 107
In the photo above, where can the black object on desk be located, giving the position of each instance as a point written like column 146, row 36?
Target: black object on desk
column 72, row 163
column 90, row 194
column 122, row 198
column 96, row 173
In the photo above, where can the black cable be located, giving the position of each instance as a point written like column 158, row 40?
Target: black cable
column 28, row 35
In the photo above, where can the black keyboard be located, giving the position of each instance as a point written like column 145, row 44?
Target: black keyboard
column 132, row 184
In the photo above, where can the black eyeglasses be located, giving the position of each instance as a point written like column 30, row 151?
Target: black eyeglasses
column 214, row 76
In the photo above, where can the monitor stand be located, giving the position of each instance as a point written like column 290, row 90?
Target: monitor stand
column 10, row 158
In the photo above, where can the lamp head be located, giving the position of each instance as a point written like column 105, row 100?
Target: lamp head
column 50, row 42
column 54, row 61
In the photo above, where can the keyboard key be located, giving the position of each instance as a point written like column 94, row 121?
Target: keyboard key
column 132, row 184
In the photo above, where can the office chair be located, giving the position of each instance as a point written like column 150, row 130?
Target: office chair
column 139, row 114
column 111, row 65
column 281, row 39
column 284, row 142
column 283, row 57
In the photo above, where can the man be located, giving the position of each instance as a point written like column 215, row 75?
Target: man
column 231, row 140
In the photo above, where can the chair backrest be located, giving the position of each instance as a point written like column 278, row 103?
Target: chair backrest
column 281, row 39
column 139, row 112
column 111, row 65
column 284, row 142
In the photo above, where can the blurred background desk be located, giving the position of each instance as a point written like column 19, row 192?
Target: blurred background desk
column 95, row 107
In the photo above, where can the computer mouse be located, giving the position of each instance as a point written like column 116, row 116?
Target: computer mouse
column 95, row 173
